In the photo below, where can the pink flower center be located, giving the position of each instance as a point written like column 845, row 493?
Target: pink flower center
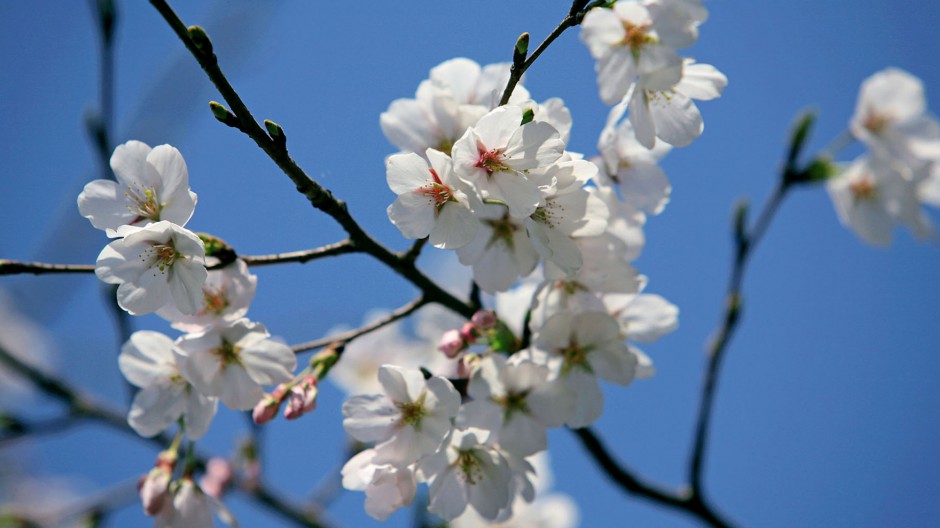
column 636, row 36
column 863, row 189
column 491, row 160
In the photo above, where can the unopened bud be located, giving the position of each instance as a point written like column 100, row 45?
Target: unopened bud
column 302, row 398
column 153, row 490
column 266, row 409
column 484, row 319
column 451, row 343
column 466, row 365
column 200, row 39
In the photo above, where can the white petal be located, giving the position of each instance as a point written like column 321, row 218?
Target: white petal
column 678, row 121
column 406, row 172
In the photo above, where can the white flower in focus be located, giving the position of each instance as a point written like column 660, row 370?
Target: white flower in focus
column 152, row 185
column 633, row 168
column 387, row 487
column 468, row 470
column 668, row 113
column 891, row 118
column 516, row 402
column 585, row 347
column 493, row 155
column 501, row 251
column 431, row 200
column 873, row 194
column 627, row 44
column 154, row 265
column 226, row 295
column 234, row 361
column 568, row 211
column 409, row 421
column 148, row 361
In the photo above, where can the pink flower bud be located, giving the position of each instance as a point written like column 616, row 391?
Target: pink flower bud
column 451, row 343
column 153, row 490
column 217, row 478
column 266, row 409
column 468, row 332
column 302, row 399
column 484, row 319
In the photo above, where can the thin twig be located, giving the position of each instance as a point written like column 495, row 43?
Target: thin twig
column 347, row 337
column 330, row 250
column 519, row 67
column 14, row 267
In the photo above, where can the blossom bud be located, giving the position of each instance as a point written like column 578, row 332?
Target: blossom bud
column 468, row 332
column 153, row 490
column 484, row 319
column 217, row 478
column 267, row 408
column 302, row 398
column 451, row 343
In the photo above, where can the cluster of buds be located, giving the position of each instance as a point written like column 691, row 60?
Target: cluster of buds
column 299, row 393
column 453, row 342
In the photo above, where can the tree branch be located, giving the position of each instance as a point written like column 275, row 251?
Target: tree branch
column 347, row 337
column 198, row 43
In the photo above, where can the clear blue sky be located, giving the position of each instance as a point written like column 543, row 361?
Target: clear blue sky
column 827, row 410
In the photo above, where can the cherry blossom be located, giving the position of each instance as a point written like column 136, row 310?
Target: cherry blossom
column 891, row 118
column 387, row 487
column 153, row 266
column 493, row 155
column 192, row 508
column 409, row 421
column 633, row 168
column 431, row 200
column 152, row 185
column 234, row 361
column 226, row 295
column 584, row 347
column 873, row 194
column 468, row 470
column 668, row 113
column 501, row 251
column 627, row 42
column 516, row 402
column 148, row 361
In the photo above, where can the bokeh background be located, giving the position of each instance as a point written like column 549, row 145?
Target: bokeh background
column 827, row 412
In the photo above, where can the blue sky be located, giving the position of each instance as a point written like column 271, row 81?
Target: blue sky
column 827, row 410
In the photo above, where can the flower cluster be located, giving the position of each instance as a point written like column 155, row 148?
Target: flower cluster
column 160, row 266
column 902, row 167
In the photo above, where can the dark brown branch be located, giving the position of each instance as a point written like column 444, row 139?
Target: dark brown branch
column 686, row 501
column 319, row 197
column 14, row 267
column 302, row 257
column 347, row 337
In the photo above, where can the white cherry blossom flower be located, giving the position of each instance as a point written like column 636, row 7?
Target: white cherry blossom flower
column 148, row 361
column 493, row 155
column 471, row 84
column 387, row 487
column 624, row 222
column 668, row 113
column 679, row 19
column 431, row 200
column 628, row 44
column 586, row 346
column 633, row 168
column 409, row 421
column 155, row 265
column 226, row 295
column 192, row 508
column 468, row 470
column 501, row 251
column 873, row 194
column 891, row 118
column 233, row 362
column 516, row 402
column 568, row 211
column 152, row 185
